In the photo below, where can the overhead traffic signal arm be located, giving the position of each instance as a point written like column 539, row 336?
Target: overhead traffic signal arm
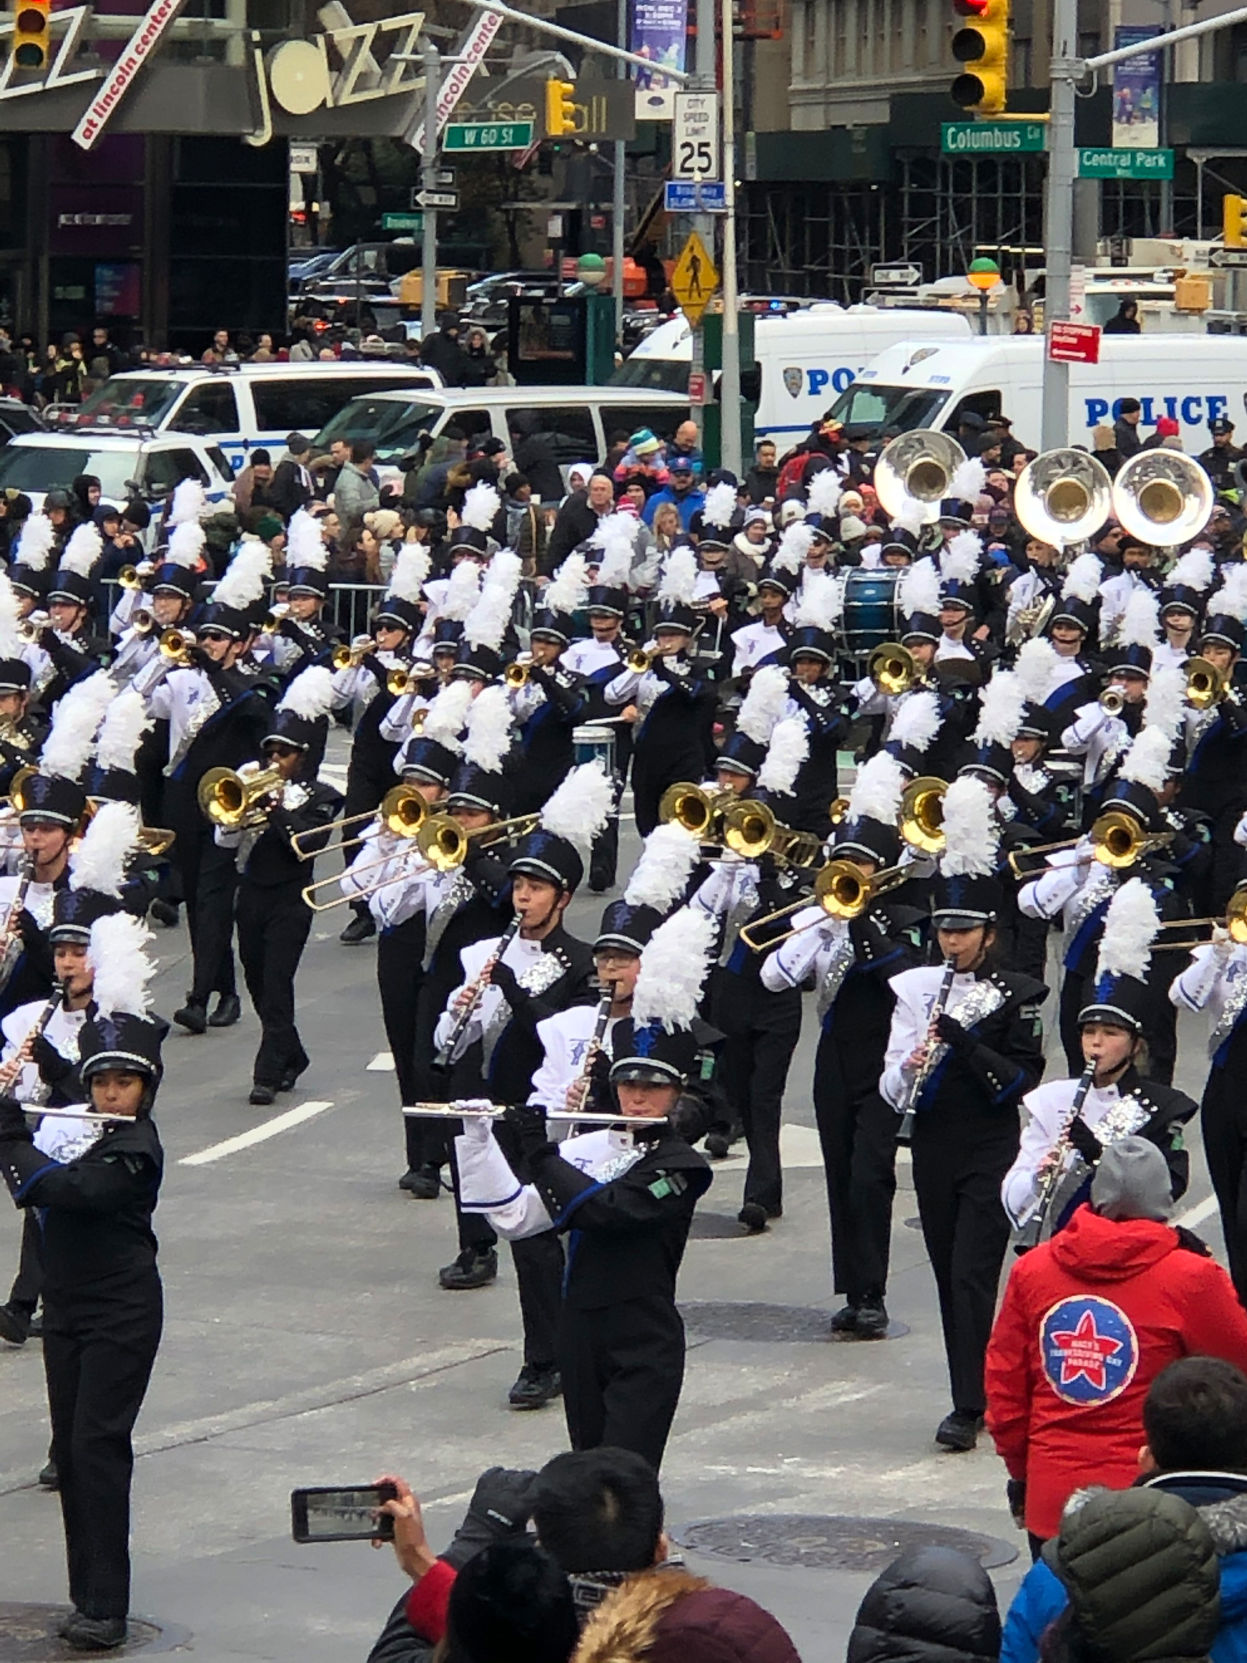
column 560, row 108
column 32, row 47
column 982, row 45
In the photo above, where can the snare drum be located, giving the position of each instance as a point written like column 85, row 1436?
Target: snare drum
column 592, row 741
column 870, row 616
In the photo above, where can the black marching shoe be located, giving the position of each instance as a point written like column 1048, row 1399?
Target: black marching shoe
column 535, row 1387
column 476, row 1267
column 14, row 1325
column 193, row 1015
column 49, row 1478
column 958, row 1431
column 228, row 1010
column 163, row 912
column 844, row 1321
column 93, row 1633
column 717, row 1146
column 753, row 1215
column 361, row 928
column 262, row 1096
column 421, row 1183
column 872, row 1319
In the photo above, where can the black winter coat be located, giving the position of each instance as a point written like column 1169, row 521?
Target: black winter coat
column 932, row 1605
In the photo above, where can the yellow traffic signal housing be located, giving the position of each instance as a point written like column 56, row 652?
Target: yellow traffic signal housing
column 1232, row 211
column 32, row 48
column 560, row 108
column 982, row 45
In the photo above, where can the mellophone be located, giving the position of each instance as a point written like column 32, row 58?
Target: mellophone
column 471, row 1109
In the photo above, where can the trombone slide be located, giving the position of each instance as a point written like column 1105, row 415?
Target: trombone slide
column 89, row 1115
column 495, row 1111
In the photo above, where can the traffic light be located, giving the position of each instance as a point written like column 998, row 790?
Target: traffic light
column 560, row 108
column 1232, row 211
column 982, row 44
column 31, row 45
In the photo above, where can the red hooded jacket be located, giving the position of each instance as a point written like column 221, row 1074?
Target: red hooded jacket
column 1089, row 1320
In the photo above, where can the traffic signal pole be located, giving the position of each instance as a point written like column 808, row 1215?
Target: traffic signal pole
column 428, row 180
column 729, row 378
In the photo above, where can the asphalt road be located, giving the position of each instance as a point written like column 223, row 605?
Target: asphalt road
column 307, row 1342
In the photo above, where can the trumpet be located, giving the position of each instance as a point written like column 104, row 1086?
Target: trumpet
column 1234, row 920
column 31, row 631
column 893, row 668
column 838, row 813
column 156, row 840
column 235, row 800
column 273, row 620
column 472, row 1110
column 176, row 646
column 1205, row 684
column 1112, row 701
column 639, row 660
column 517, row 672
column 693, row 808
column 922, row 814
column 128, row 578
column 349, row 658
column 142, row 622
column 751, row 830
column 400, row 682
column 403, row 811
column 444, row 843
column 840, row 888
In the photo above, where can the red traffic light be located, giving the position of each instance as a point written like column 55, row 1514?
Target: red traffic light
column 971, row 8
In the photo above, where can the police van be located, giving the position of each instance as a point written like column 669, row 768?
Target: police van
column 932, row 383
column 807, row 358
column 237, row 406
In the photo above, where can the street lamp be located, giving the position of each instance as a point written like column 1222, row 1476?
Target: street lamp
column 591, row 271
column 983, row 274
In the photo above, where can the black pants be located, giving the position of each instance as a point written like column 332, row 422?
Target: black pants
column 650, row 778
column 623, row 1367
column 210, row 882
column 399, row 980
column 273, row 926
column 957, row 1176
column 97, row 1376
column 857, row 1131
column 1223, row 1116
column 762, row 1030
column 28, row 1283
column 538, row 1264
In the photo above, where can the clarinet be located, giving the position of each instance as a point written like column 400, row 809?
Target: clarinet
column 1030, row 1227
column 12, row 948
column 600, row 1024
column 475, row 991
column 37, row 1029
column 920, row 1079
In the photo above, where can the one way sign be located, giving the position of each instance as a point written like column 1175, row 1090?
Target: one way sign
column 436, row 199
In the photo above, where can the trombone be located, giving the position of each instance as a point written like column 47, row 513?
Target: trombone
column 841, row 889
column 350, row 658
column 1117, row 840
column 128, row 578
column 234, row 800
column 402, row 812
column 750, row 829
column 1235, row 921
column 1205, row 684
column 444, row 843
column 922, row 814
column 176, row 646
column 692, row 807
column 893, row 668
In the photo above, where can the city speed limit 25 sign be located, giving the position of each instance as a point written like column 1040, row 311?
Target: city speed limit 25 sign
column 695, row 136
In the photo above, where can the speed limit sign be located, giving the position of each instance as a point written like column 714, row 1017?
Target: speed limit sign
column 695, row 136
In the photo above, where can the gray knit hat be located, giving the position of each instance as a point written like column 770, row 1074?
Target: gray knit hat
column 1132, row 1181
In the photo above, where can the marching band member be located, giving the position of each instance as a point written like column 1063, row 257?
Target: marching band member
column 765, row 641
column 1182, row 602
column 1099, row 734
column 960, row 566
column 1072, row 630
column 68, row 641
column 1033, row 591
column 815, row 695
column 303, row 636
column 273, row 918
column 628, row 1196
column 1069, row 1128
column 21, row 731
column 851, row 963
column 966, row 1044
column 548, row 705
column 102, row 1291
column 1214, row 781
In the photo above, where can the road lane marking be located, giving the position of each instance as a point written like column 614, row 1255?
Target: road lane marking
column 1198, row 1213
column 382, row 1063
column 258, row 1134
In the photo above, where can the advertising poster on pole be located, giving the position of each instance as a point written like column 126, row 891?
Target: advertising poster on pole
column 1136, row 90
column 659, row 33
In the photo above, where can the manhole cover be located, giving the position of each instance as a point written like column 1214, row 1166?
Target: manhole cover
column 822, row 1543
column 28, row 1635
column 744, row 1320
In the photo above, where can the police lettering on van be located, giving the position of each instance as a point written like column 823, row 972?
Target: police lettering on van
column 1191, row 409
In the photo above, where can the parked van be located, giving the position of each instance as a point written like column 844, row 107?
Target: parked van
column 577, row 422
column 237, row 406
column 806, row 357
column 1193, row 379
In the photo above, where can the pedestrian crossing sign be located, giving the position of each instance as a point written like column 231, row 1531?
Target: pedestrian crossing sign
column 694, row 279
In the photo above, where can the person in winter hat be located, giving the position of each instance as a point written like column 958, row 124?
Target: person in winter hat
column 70, row 642
column 931, row 1603
column 670, row 1616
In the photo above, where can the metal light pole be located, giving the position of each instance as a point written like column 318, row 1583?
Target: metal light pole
column 617, row 198
column 428, row 179
column 729, row 380
column 703, row 80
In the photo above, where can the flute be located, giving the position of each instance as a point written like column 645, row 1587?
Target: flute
column 471, row 1110
column 89, row 1115
column 474, row 993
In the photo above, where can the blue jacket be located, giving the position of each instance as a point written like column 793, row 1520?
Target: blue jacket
column 1222, row 1501
column 687, row 504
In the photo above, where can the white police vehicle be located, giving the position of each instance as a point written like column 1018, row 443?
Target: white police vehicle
column 146, row 465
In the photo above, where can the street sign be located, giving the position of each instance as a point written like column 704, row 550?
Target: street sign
column 1074, row 343
column 1125, row 164
column 437, row 199
column 444, row 178
column 694, row 279
column 695, row 136
column 303, row 158
column 895, row 277
column 487, row 135
column 402, row 222
column 698, row 389
column 695, row 196
column 1227, row 257
column 991, row 138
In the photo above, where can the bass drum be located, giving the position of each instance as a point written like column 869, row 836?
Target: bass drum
column 870, row 615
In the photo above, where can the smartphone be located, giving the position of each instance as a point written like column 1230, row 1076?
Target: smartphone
column 323, row 1513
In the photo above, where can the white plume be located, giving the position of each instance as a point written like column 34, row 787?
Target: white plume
column 786, row 755
column 78, row 714
column 489, row 729
column 310, row 694
column 245, row 576
column 919, row 589
column 616, row 538
column 305, row 547
column 447, row 714
column 1036, row 663
column 34, row 546
column 1083, row 580
column 81, row 552
column 960, row 560
column 579, row 808
column 824, row 492
column 117, row 952
column 1166, row 705
column 1130, row 927
column 910, row 516
column 189, row 501
column 679, row 578
column 1000, row 709
column 125, row 722
column 186, row 542
column 673, row 969
column 570, row 586
column 970, row 829
column 917, row 721
column 661, row 876
column 487, row 622
column 1230, row 599
column 410, row 573
column 11, row 643
column 463, row 590
column 968, row 480
column 763, row 704
column 99, row 861
column 719, row 506
column 820, row 601
column 1140, row 624
column 795, row 542
column 1147, row 760
column 480, row 506
column 877, row 790
column 1193, row 571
